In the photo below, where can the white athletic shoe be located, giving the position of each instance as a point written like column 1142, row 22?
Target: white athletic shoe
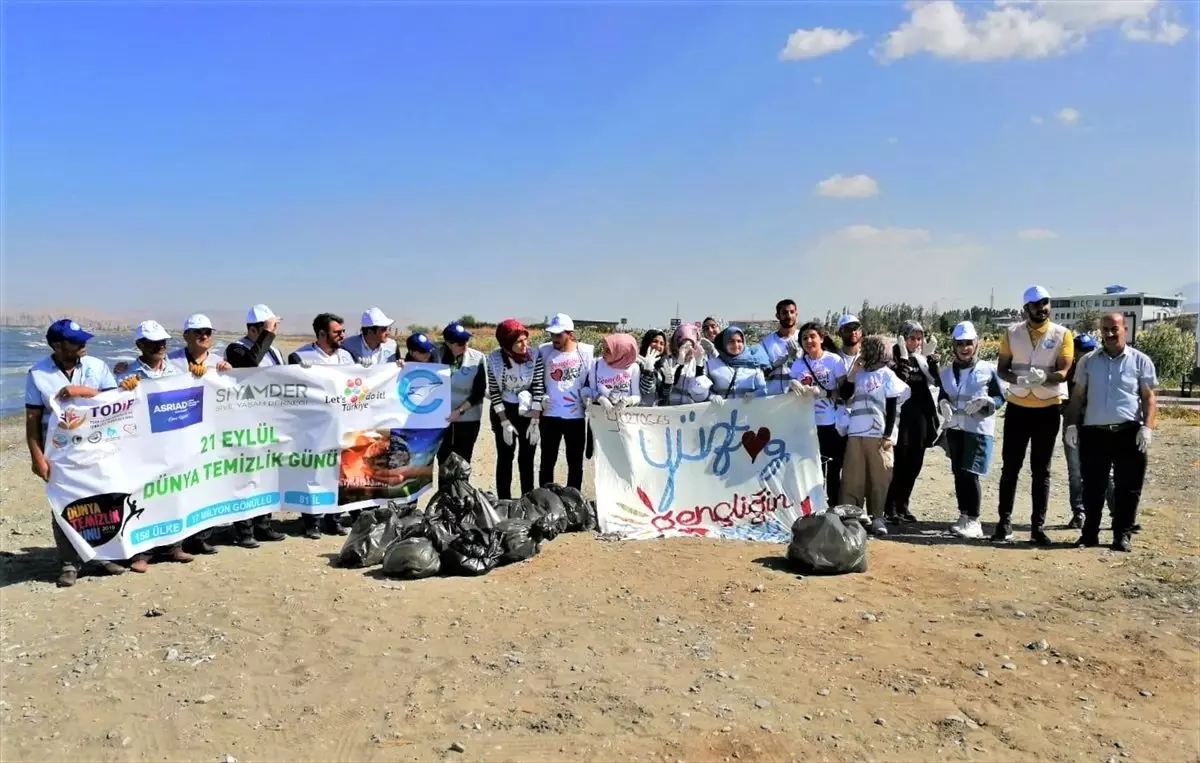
column 878, row 526
column 966, row 527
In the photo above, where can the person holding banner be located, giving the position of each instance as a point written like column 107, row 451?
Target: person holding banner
column 151, row 340
column 616, row 379
column 679, row 376
column 256, row 349
column 419, row 348
column 196, row 352
column 67, row 372
column 568, row 367
column 737, row 369
column 782, row 347
column 822, row 367
column 373, row 344
column 327, row 350
column 874, row 396
column 969, row 398
column 653, row 385
column 514, row 369
column 468, row 388
column 916, row 364
column 710, row 329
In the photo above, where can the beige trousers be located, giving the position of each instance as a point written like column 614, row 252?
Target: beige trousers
column 864, row 475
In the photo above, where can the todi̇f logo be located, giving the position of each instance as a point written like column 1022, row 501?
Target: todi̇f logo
column 355, row 390
column 72, row 418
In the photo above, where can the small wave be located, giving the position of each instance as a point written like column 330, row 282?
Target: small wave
column 34, row 345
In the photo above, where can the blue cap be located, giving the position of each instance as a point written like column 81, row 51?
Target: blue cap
column 456, row 333
column 418, row 343
column 1085, row 342
column 68, row 330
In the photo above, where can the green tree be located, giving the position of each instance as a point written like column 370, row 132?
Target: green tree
column 1173, row 351
column 1087, row 322
column 470, row 321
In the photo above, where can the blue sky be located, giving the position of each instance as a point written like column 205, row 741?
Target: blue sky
column 606, row 160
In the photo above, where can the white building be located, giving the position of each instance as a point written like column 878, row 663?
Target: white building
column 1137, row 307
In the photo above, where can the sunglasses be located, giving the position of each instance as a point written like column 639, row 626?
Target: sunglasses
column 201, row 332
column 339, row 332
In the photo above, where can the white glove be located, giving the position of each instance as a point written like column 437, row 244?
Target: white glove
column 887, row 456
column 649, row 360
column 534, row 433
column 587, row 396
column 604, row 402
column 946, row 410
column 902, row 347
column 668, row 367
column 748, row 395
column 929, row 346
column 688, row 371
column 795, row 387
column 793, row 347
column 624, row 402
column 306, row 364
column 1071, row 437
column 1145, row 436
column 508, row 432
column 981, row 406
column 710, row 349
column 1032, row 378
column 717, row 400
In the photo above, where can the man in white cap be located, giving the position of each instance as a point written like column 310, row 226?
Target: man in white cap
column 151, row 340
column 568, row 367
column 850, row 332
column 970, row 396
column 1035, row 356
column 373, row 344
column 255, row 349
column 196, row 352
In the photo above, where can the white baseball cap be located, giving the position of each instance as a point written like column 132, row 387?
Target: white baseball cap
column 965, row 331
column 152, row 331
column 260, row 314
column 197, row 321
column 1035, row 294
column 559, row 323
column 374, row 317
column 847, row 319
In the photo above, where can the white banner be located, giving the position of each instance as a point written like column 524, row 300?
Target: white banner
column 131, row 471
column 733, row 469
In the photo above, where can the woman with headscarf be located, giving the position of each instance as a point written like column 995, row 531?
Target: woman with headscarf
column 616, row 376
column 874, row 396
column 820, row 366
column 917, row 366
column 970, row 396
column 516, row 382
column 738, row 368
column 677, row 376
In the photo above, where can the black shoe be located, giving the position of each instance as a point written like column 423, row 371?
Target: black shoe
column 891, row 519
column 268, row 533
column 1135, row 529
column 245, row 540
column 1003, row 533
column 1039, row 538
column 908, row 518
column 312, row 532
column 1122, row 543
column 335, row 528
column 199, row 546
column 1087, row 541
column 1076, row 522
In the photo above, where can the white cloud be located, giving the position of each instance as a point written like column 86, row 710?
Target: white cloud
column 814, row 43
column 1037, row 120
column 1036, row 234
column 848, row 187
column 893, row 141
column 870, row 236
column 1067, row 116
column 1026, row 29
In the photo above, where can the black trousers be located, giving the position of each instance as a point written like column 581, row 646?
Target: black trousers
column 1102, row 452
column 504, row 453
column 572, row 433
column 460, row 438
column 245, row 528
column 1037, row 430
column 967, row 489
column 833, row 451
column 909, row 457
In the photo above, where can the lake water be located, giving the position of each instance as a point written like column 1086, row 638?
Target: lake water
column 20, row 348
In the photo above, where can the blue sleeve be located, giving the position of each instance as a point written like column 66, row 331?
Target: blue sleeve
column 995, row 391
column 33, row 395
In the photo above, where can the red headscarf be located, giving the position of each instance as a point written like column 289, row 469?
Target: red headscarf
column 507, row 333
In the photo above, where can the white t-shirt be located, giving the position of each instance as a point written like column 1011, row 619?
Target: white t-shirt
column 45, row 379
column 616, row 383
column 871, row 391
column 357, row 347
column 179, row 358
column 142, row 371
column 776, row 348
column 824, row 373
column 318, row 357
column 567, row 375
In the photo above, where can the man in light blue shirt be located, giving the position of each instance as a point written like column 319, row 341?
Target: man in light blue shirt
column 68, row 372
column 1114, row 391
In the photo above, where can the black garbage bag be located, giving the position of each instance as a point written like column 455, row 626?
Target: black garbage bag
column 475, row 552
column 520, row 539
column 456, row 501
column 411, row 558
column 547, row 526
column 579, row 515
column 372, row 532
column 825, row 544
column 546, row 503
column 504, row 508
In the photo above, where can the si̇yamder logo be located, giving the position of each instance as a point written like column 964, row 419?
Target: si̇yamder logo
column 176, row 408
column 417, row 390
column 100, row 518
column 355, row 390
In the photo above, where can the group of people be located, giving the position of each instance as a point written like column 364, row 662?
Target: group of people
column 880, row 404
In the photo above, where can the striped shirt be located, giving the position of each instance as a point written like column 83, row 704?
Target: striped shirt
column 506, row 379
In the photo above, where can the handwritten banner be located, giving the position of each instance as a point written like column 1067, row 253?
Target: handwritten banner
column 131, row 471
column 737, row 469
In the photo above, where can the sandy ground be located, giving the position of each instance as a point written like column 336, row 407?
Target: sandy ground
column 595, row 650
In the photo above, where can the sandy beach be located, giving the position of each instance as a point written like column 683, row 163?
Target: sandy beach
column 596, row 650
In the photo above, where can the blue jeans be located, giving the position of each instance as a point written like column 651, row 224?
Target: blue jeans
column 1075, row 481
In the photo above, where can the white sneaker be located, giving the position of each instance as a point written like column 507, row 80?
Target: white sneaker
column 966, row 527
column 878, row 526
